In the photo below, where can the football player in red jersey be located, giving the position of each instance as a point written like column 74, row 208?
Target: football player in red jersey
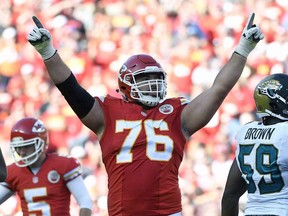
column 143, row 135
column 44, row 182
column 3, row 170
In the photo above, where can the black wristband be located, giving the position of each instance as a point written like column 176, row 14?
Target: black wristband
column 78, row 98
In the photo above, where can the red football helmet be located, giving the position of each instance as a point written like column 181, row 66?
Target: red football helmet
column 28, row 131
column 148, row 91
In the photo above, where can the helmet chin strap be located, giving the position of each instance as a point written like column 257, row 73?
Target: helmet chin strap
column 149, row 101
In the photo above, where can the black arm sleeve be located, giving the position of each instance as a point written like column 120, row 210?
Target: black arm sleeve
column 78, row 98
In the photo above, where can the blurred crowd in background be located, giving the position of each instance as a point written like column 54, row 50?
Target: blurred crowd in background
column 192, row 39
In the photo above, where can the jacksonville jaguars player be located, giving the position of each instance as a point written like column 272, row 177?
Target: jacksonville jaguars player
column 261, row 159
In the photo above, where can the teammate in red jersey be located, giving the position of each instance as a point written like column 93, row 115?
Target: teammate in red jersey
column 142, row 137
column 3, row 170
column 44, row 182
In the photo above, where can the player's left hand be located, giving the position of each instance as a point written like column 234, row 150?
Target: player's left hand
column 251, row 35
column 41, row 39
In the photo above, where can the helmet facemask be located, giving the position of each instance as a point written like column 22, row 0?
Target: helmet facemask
column 18, row 142
column 144, row 89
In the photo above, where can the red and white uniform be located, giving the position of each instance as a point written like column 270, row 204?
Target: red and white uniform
column 44, row 193
column 142, row 152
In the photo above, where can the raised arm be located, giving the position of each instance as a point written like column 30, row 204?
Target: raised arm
column 83, row 104
column 201, row 109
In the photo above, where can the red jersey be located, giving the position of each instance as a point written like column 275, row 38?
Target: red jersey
column 44, row 193
column 142, row 152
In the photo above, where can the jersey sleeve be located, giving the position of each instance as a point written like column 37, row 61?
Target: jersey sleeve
column 73, row 169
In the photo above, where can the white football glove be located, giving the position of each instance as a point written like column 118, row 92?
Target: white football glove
column 251, row 35
column 41, row 39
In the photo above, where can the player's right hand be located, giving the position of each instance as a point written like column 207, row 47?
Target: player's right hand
column 251, row 35
column 41, row 39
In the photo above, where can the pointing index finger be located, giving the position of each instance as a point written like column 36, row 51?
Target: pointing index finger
column 250, row 21
column 37, row 22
